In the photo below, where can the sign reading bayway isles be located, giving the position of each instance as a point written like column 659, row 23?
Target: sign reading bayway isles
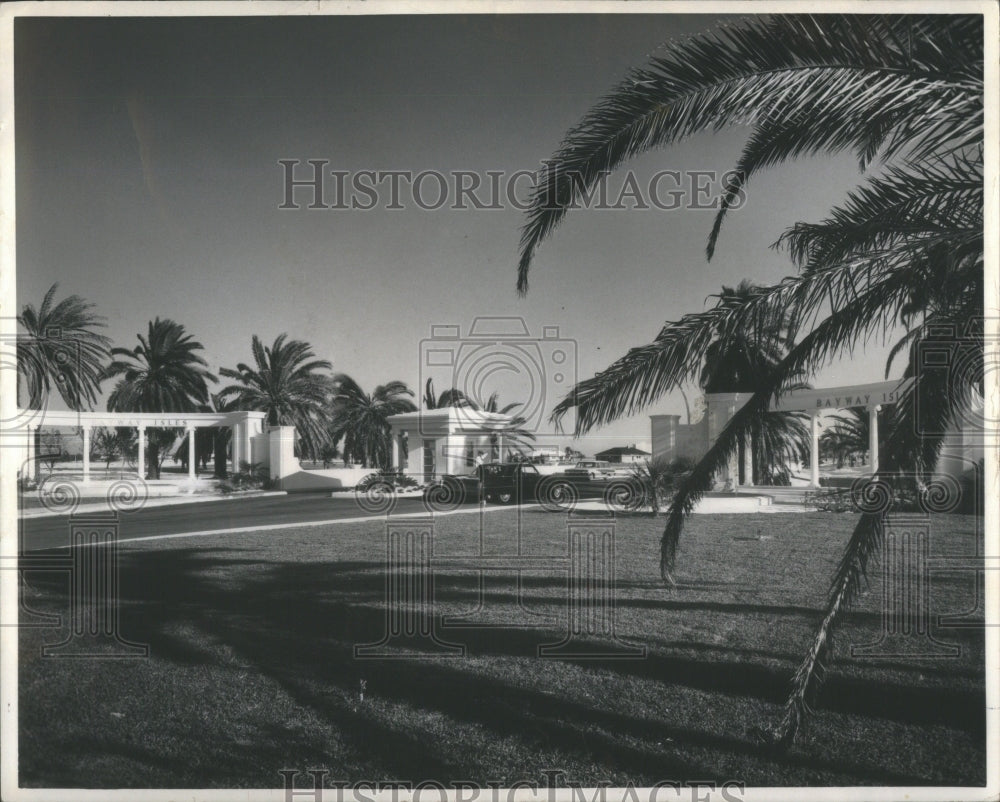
column 137, row 420
column 857, row 395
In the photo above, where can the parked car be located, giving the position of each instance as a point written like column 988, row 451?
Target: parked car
column 502, row 483
column 453, row 490
column 590, row 469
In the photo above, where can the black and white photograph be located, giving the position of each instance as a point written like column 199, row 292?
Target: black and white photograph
column 492, row 401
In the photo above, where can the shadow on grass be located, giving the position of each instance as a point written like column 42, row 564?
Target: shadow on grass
column 297, row 623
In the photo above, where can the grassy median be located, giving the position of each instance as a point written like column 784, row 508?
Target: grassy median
column 252, row 670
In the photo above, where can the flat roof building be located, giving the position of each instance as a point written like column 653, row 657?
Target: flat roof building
column 622, row 454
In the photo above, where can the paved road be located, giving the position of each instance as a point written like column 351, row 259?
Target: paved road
column 52, row 531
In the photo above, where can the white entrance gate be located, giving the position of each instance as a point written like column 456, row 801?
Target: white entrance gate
column 870, row 396
column 244, row 425
column 672, row 439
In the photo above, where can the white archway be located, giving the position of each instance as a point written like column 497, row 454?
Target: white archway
column 670, row 438
column 871, row 396
column 244, row 425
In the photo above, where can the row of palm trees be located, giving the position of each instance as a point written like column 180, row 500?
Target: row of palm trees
column 905, row 94
column 166, row 372
column 60, row 349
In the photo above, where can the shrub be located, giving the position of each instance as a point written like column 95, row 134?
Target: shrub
column 659, row 479
column 833, row 499
column 250, row 476
column 394, row 479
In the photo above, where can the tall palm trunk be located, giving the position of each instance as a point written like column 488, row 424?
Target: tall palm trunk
column 221, row 442
column 153, row 459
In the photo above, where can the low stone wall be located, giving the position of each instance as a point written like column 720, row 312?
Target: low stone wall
column 324, row 479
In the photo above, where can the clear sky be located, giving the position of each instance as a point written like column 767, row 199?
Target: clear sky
column 148, row 181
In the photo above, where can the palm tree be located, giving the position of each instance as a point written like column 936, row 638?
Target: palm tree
column 452, row 397
column 164, row 373
column 223, row 436
column 287, row 382
column 113, row 443
column 903, row 92
column 211, row 441
column 733, row 363
column 105, row 444
column 846, row 435
column 739, row 362
column 513, row 433
column 362, row 419
column 58, row 346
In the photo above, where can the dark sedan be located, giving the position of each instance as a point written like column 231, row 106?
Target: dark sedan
column 516, row 482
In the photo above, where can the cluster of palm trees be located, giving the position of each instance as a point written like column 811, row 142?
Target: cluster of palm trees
column 516, row 437
column 905, row 94
column 846, row 436
column 60, row 350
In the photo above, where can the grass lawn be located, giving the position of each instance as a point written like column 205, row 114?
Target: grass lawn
column 252, row 669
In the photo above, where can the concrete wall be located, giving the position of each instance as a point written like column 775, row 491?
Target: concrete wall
column 260, row 450
column 324, row 479
column 282, row 461
column 672, row 439
column 962, row 448
column 287, row 473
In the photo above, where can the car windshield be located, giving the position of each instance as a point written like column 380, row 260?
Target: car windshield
column 494, row 471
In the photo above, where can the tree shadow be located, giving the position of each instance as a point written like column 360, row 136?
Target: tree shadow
column 297, row 623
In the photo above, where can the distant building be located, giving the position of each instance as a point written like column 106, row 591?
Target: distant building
column 623, row 454
column 545, row 453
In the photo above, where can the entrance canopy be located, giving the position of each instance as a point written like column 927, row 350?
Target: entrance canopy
column 137, row 420
column 429, row 443
column 870, row 396
column 243, row 423
column 854, row 395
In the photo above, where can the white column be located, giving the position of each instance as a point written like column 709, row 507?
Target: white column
column 30, row 469
column 396, row 465
column 281, row 452
column 235, row 441
column 873, row 438
column 814, row 450
column 141, row 461
column 248, row 429
column 86, row 453
column 191, row 465
column 733, row 466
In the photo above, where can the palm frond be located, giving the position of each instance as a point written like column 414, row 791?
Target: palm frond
column 808, row 82
column 942, row 200
column 646, row 373
column 58, row 347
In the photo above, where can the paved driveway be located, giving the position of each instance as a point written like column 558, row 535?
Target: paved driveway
column 52, row 531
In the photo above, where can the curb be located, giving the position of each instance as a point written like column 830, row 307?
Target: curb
column 164, row 501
